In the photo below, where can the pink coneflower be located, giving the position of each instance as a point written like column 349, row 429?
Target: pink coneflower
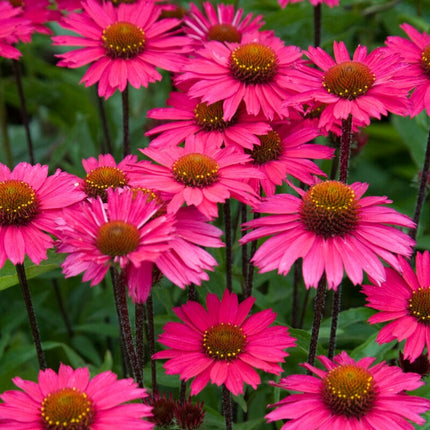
column 125, row 44
column 30, row 201
column 190, row 116
column 224, row 23
column 330, row 3
column 123, row 232
column 254, row 71
column 186, row 261
column 71, row 400
column 404, row 300
column 222, row 344
column 199, row 175
column 416, row 52
column 284, row 151
column 350, row 395
column 333, row 228
column 365, row 87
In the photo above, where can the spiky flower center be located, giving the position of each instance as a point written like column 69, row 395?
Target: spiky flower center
column 224, row 33
column 211, row 117
column 224, row 341
column 270, row 148
column 123, row 40
column 330, row 209
column 189, row 416
column 117, row 238
column 67, row 409
column 419, row 305
column 101, row 178
column 425, row 60
column 18, row 203
column 349, row 79
column 195, row 170
column 253, row 63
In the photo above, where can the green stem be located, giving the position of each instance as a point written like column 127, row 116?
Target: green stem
column 125, row 122
column 228, row 246
column 227, row 408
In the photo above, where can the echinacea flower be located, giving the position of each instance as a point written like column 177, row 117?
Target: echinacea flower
column 366, row 86
column 403, row 301
column 350, row 394
column 416, row 52
column 198, row 175
column 190, row 116
column 254, row 71
column 71, row 400
column 333, row 228
column 330, row 3
column 123, row 232
column 30, row 201
column 224, row 23
column 123, row 44
column 223, row 344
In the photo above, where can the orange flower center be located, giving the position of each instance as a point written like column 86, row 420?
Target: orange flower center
column 419, row 305
column 123, row 40
column 224, row 33
column 67, row 409
column 18, row 203
column 270, row 148
column 348, row 80
column 253, row 63
column 349, row 390
column 195, row 170
column 101, row 178
column 117, row 238
column 330, row 209
column 425, row 60
column 211, row 117
column 224, row 341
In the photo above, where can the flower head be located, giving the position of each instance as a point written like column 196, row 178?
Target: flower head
column 125, row 44
column 333, row 228
column 350, row 395
column 403, row 300
column 416, row 52
column 30, row 201
column 222, row 344
column 71, row 400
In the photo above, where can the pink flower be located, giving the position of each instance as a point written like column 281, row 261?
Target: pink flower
column 416, row 52
column 30, row 200
column 365, row 87
column 330, row 3
column 223, row 23
column 123, row 232
column 254, row 71
column 333, row 228
column 199, row 175
column 223, row 344
column 350, row 395
column 71, row 400
column 283, row 151
column 404, row 300
column 190, row 116
column 125, row 44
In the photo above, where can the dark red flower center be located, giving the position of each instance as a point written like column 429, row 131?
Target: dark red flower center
column 17, row 3
column 270, row 148
column 425, row 60
column 178, row 12
column 118, row 2
column 123, row 40
column 18, row 203
column 224, row 33
column 211, row 117
column 253, row 63
column 349, row 79
column 163, row 410
column 349, row 390
column 224, row 341
column 67, row 409
column 195, row 170
column 117, row 238
column 419, row 305
column 189, row 416
column 330, row 209
column 101, row 178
